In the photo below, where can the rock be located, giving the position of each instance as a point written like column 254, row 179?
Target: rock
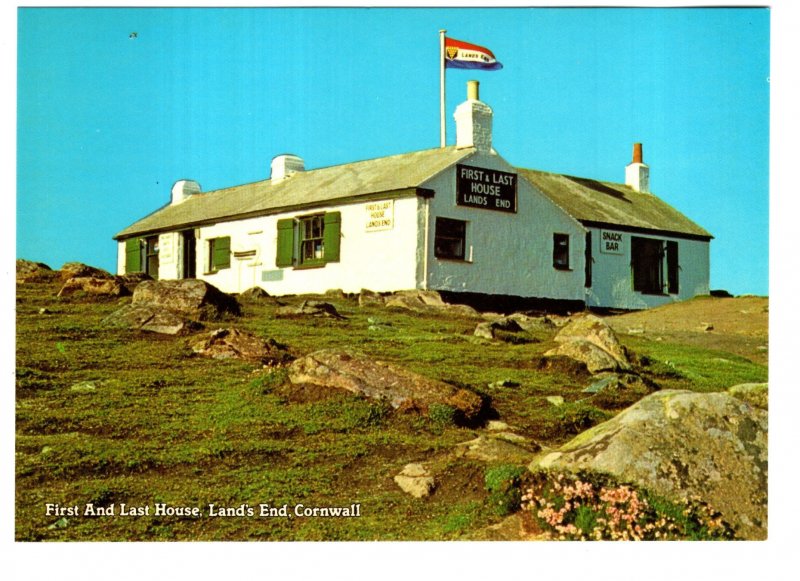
column 502, row 447
column 45, row 311
column 503, row 383
column 189, row 297
column 497, row 426
column 756, row 394
column 30, row 271
column 357, row 373
column 595, row 358
column 607, row 382
column 528, row 323
column 488, row 329
column 335, row 293
column 310, row 309
column 152, row 319
column 706, row 327
column 132, row 279
column 415, row 480
column 681, row 444
column 590, row 340
column 84, row 387
column 80, row 270
column 427, row 301
column 254, row 294
column 555, row 400
column 235, row 344
column 368, row 298
column 61, row 523
column 95, row 286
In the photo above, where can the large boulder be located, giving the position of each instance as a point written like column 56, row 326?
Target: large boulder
column 310, row 309
column 193, row 298
column 94, row 286
column 590, row 340
column 235, row 344
column 79, row 269
column 357, row 373
column 152, row 319
column 30, row 271
column 427, row 301
column 681, row 445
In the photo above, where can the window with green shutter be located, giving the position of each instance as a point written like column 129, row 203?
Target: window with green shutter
column 219, row 253
column 133, row 255
column 309, row 241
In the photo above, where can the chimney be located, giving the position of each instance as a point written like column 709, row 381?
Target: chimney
column 284, row 165
column 637, row 173
column 473, row 121
column 182, row 190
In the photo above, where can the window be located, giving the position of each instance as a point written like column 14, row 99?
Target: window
column 450, row 238
column 309, row 240
column 561, row 251
column 219, row 253
column 647, row 262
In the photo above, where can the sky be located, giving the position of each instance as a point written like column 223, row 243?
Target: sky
column 114, row 105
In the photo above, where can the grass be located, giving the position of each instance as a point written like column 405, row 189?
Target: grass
column 164, row 426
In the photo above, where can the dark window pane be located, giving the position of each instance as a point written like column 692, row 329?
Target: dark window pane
column 450, row 238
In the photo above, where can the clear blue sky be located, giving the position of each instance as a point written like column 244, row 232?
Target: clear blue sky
column 107, row 123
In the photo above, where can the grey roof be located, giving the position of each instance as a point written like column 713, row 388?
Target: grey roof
column 601, row 203
column 586, row 200
column 307, row 188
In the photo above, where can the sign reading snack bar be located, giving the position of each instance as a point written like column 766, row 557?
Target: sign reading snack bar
column 380, row 216
column 611, row 242
column 489, row 189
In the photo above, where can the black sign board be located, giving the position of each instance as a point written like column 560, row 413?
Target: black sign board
column 486, row 188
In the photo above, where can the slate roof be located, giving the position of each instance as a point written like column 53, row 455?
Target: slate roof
column 307, row 188
column 605, row 203
column 590, row 202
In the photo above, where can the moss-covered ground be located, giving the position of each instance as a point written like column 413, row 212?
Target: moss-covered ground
column 109, row 417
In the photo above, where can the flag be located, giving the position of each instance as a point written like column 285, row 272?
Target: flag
column 463, row 55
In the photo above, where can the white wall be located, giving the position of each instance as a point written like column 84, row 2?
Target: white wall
column 381, row 260
column 612, row 279
column 508, row 254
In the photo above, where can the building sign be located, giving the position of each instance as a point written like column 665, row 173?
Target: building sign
column 380, row 216
column 611, row 242
column 486, row 188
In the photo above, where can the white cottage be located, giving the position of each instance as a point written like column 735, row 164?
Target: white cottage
column 459, row 219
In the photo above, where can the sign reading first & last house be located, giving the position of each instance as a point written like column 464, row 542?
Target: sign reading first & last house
column 489, row 189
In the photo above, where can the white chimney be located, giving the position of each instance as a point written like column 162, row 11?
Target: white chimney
column 182, row 190
column 637, row 173
column 474, row 121
column 284, row 166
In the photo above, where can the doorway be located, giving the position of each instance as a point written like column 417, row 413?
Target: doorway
column 189, row 254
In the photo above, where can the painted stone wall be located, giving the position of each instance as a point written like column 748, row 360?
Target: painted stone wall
column 612, row 283
column 506, row 253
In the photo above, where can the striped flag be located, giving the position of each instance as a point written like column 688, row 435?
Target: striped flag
column 463, row 55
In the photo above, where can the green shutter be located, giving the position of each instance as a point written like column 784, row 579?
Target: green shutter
column 222, row 253
column 285, row 254
column 331, row 235
column 133, row 255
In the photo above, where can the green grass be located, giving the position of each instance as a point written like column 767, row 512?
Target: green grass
column 164, row 426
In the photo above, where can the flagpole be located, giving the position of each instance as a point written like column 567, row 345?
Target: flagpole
column 442, row 131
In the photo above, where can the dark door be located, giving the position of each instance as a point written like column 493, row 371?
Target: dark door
column 189, row 254
column 151, row 256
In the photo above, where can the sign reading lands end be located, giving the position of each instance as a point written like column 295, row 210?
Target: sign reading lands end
column 489, row 189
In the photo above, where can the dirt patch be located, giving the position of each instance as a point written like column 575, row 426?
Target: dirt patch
column 738, row 325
